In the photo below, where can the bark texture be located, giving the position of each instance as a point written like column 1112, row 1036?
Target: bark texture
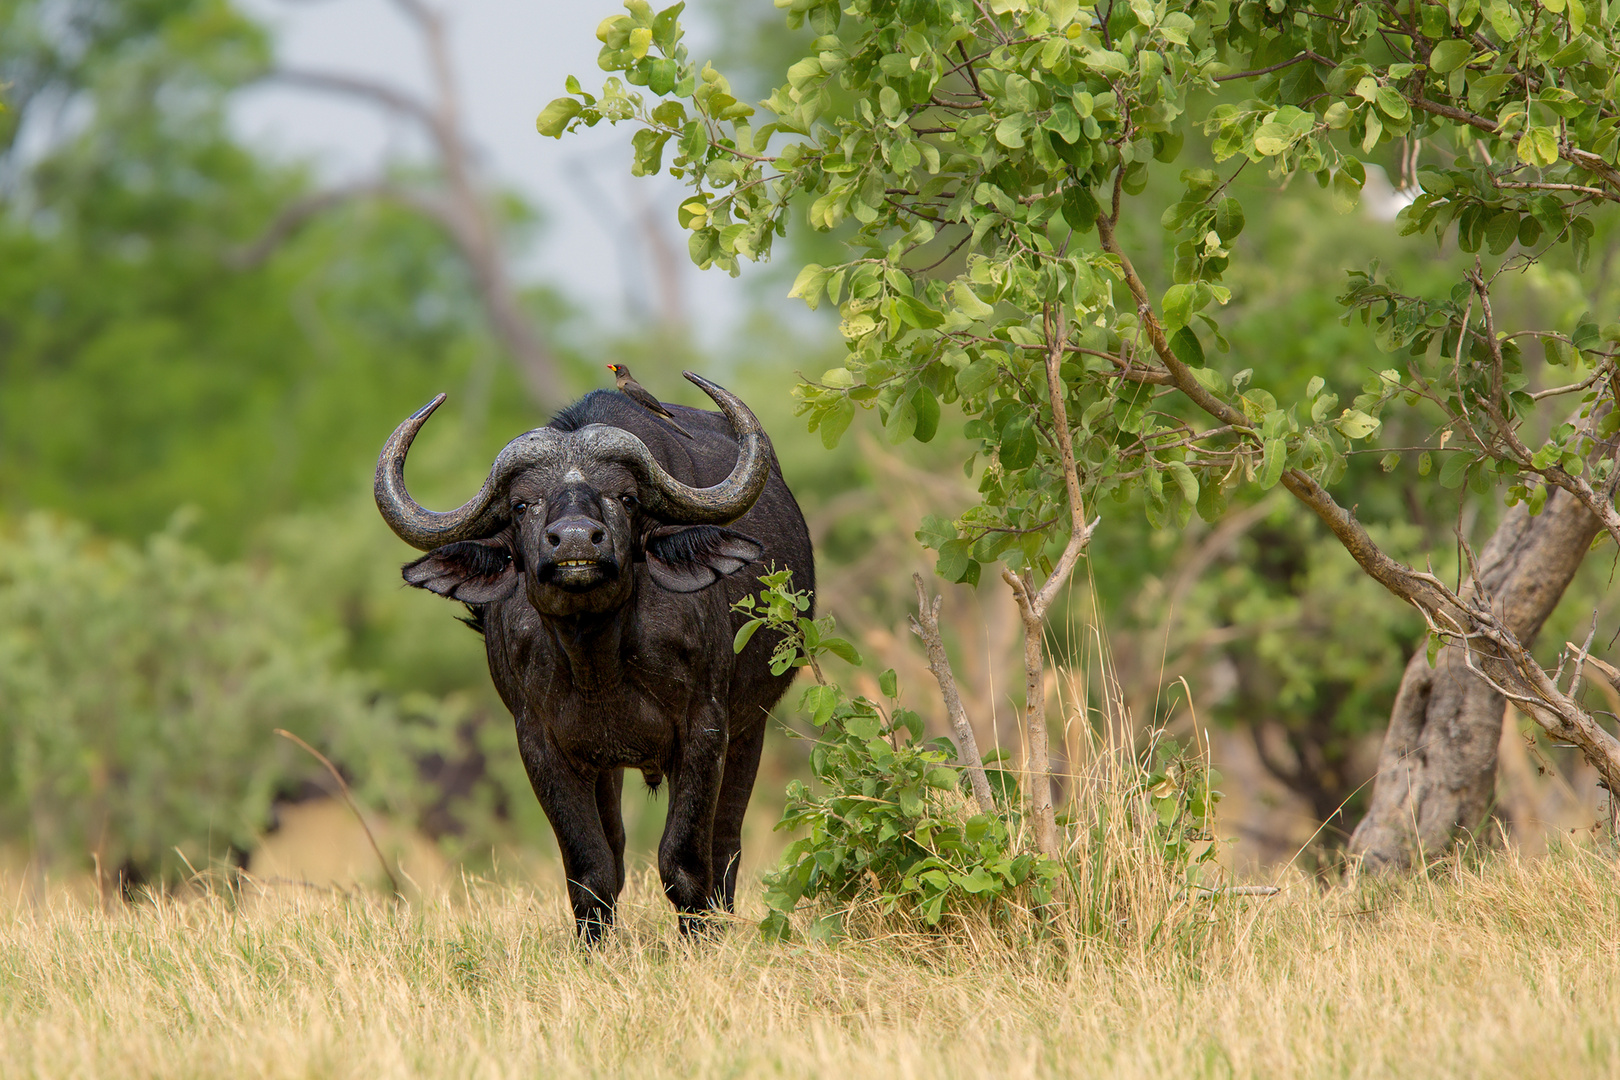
column 1437, row 769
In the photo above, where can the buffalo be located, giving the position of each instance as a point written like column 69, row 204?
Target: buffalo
column 600, row 560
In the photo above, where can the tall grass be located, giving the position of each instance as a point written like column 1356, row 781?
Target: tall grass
column 1505, row 968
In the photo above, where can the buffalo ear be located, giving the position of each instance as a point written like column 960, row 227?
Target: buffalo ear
column 689, row 559
column 472, row 571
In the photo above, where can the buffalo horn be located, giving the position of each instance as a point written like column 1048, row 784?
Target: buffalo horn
column 666, row 497
column 663, row 495
column 480, row 516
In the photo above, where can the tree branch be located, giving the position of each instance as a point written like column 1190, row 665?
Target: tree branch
column 1468, row 619
column 462, row 209
column 382, row 95
column 297, row 214
column 925, row 624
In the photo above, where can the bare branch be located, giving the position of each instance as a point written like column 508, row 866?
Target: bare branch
column 380, row 94
column 463, row 208
column 1038, row 761
column 926, row 626
column 296, row 215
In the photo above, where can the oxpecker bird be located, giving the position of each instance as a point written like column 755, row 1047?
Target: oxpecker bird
column 637, row 393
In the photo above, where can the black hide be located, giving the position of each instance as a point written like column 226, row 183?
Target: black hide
column 609, row 638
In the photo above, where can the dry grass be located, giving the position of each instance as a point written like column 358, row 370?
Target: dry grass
column 1507, row 969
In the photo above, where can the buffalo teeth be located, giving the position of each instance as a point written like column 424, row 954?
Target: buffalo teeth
column 577, row 562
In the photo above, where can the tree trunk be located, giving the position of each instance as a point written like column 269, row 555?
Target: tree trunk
column 1437, row 769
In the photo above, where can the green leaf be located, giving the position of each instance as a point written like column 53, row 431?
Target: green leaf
column 954, row 559
column 1018, row 444
column 1556, row 352
column 808, row 283
column 889, row 683
column 1185, row 344
column 1177, row 306
column 968, row 303
column 1449, row 56
column 1355, row 424
column 1392, row 104
column 1346, row 191
column 902, row 421
column 1212, row 502
column 1185, row 480
column 554, row 117
column 661, row 76
column 1228, row 219
column 926, row 405
column 1587, row 336
column 745, row 634
column 1538, row 146
column 1272, row 462
column 1080, row 208
column 1455, row 470
column 1107, row 63
column 1010, row 132
column 843, row 650
column 835, row 421
column 1501, row 231
column 1272, row 139
column 978, row 377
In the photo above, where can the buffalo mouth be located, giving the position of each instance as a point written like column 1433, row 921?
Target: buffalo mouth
column 577, row 575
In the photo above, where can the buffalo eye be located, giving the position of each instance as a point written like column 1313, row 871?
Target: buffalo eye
column 519, row 508
column 629, row 500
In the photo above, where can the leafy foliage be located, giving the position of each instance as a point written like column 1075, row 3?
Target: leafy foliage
column 139, row 693
column 1181, row 790
column 992, row 140
column 889, row 827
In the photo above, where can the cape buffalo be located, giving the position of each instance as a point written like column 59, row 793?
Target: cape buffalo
column 598, row 562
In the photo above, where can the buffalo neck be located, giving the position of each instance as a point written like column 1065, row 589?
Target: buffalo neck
column 591, row 649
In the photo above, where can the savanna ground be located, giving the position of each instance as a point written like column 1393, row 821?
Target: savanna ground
column 1501, row 966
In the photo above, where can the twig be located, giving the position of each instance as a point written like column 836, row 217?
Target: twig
column 348, row 797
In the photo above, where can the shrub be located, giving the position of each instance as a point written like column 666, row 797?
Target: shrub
column 140, row 688
column 888, row 827
column 892, row 840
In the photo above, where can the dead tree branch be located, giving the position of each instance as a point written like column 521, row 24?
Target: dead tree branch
column 461, row 204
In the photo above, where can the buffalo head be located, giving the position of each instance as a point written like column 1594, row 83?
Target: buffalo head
column 567, row 514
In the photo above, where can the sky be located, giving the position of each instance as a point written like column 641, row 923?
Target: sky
column 511, row 57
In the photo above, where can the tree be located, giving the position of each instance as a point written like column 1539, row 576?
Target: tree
column 988, row 141
column 140, row 373
column 457, row 200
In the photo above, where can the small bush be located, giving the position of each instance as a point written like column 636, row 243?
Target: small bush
column 140, row 689
column 891, row 839
column 888, row 828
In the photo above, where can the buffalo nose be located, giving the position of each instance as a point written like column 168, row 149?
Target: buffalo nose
column 578, row 534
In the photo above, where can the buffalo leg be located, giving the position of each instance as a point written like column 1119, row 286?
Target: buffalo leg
column 686, row 851
column 610, row 808
column 594, row 870
column 742, row 763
